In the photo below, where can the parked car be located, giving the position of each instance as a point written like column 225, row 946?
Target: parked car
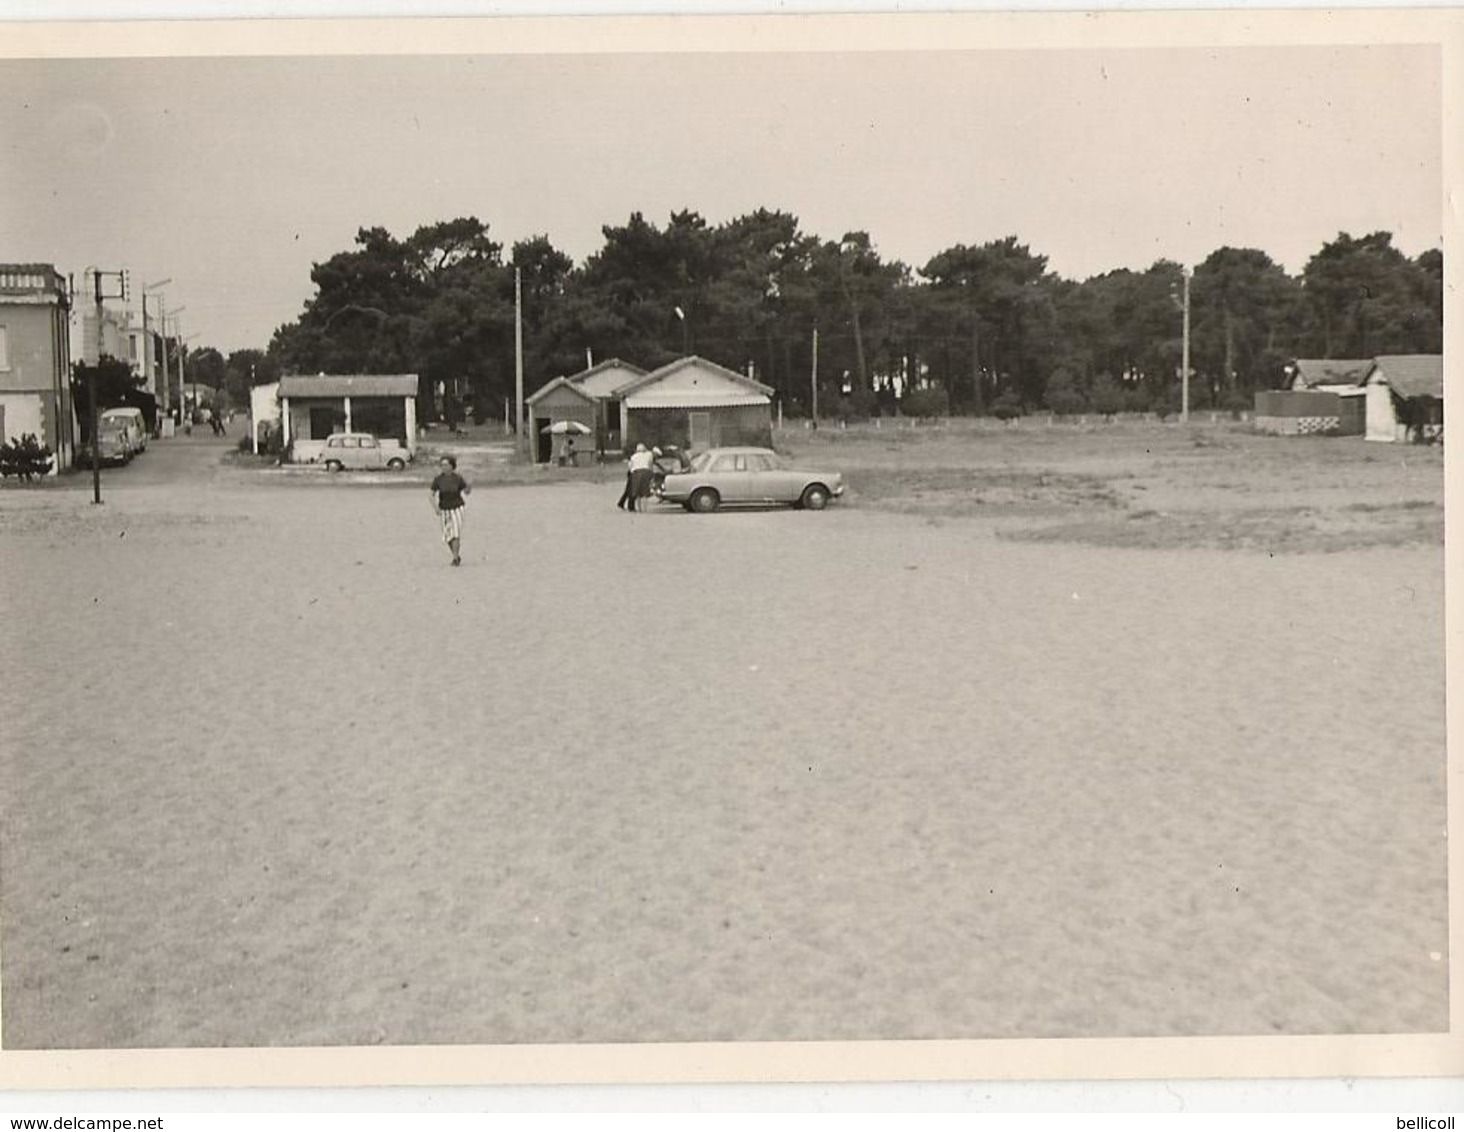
column 362, row 450
column 748, row 475
column 668, row 460
column 113, row 449
column 131, row 423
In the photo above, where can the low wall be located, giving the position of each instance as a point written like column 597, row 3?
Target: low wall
column 1296, row 413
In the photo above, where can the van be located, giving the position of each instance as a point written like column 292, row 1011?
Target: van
column 131, row 422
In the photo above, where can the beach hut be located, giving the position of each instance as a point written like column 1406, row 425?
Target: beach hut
column 603, row 382
column 1405, row 397
column 557, row 404
column 696, row 404
column 313, row 408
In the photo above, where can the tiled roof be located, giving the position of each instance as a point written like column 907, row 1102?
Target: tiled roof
column 557, row 383
column 349, row 385
column 1412, row 375
column 659, row 375
column 1311, row 372
column 603, row 380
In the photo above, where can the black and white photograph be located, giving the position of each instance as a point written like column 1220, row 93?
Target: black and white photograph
column 751, row 537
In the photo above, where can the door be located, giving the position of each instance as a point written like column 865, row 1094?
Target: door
column 700, row 426
column 323, row 421
column 729, row 475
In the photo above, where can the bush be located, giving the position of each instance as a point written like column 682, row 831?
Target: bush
column 859, row 405
column 1062, row 394
column 1107, row 398
column 1008, row 406
column 1235, row 403
column 25, row 457
column 932, row 401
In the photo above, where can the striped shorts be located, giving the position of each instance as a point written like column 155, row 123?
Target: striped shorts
column 452, row 523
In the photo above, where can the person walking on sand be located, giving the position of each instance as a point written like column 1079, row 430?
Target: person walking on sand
column 448, row 493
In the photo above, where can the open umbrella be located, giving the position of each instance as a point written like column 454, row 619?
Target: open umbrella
column 560, row 428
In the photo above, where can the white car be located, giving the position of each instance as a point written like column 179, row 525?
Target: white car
column 362, row 450
column 748, row 475
column 131, row 423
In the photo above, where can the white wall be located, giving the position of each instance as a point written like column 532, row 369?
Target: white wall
column 1382, row 421
column 22, row 415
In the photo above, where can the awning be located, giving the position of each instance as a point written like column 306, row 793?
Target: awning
column 682, row 399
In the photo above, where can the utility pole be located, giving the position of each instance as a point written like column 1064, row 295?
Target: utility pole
column 1185, row 352
column 148, row 361
column 813, row 379
column 518, row 361
column 95, row 413
column 167, row 389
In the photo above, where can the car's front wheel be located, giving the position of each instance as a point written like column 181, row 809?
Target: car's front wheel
column 704, row 500
column 396, row 464
column 815, row 497
column 333, row 465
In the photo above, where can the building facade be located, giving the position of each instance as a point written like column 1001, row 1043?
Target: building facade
column 313, row 408
column 696, row 404
column 35, row 359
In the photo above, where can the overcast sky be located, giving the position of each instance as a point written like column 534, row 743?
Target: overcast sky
column 232, row 176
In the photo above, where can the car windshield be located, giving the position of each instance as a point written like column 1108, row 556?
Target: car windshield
column 700, row 461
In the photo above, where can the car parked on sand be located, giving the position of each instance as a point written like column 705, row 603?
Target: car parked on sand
column 734, row 476
column 113, row 449
column 358, row 450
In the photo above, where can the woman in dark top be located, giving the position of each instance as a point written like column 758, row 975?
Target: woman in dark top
column 448, row 491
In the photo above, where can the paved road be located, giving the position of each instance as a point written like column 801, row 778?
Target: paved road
column 165, row 461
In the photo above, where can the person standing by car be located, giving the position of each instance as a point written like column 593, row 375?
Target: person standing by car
column 638, row 477
column 626, row 502
column 449, row 491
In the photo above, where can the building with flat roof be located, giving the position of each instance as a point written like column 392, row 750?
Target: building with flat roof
column 35, row 359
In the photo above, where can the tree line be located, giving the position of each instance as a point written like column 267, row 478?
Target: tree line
column 977, row 329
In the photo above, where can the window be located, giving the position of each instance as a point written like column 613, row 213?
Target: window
column 4, row 349
column 759, row 464
column 724, row 464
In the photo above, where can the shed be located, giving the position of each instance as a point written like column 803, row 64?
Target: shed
column 560, row 400
column 603, row 382
column 1405, row 397
column 312, row 408
column 696, row 404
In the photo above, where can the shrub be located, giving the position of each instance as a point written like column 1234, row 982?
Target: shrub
column 25, row 457
column 859, row 405
column 1235, row 403
column 1106, row 398
column 1062, row 394
column 932, row 401
column 1008, row 406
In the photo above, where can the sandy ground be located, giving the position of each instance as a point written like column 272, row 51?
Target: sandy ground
column 274, row 774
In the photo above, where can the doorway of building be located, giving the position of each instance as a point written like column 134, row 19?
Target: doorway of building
column 700, row 430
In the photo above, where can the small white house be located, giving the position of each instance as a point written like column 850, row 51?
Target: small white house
column 264, row 409
column 1405, row 394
